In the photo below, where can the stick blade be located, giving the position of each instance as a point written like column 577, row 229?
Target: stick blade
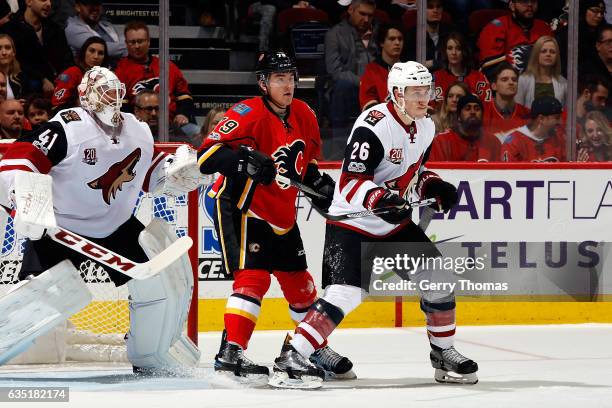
column 162, row 260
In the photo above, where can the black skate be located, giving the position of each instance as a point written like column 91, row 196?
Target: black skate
column 336, row 367
column 231, row 362
column 292, row 370
column 452, row 367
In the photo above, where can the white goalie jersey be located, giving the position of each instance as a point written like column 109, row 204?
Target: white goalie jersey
column 381, row 152
column 96, row 181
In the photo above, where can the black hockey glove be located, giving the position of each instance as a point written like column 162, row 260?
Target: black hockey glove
column 256, row 165
column 396, row 215
column 443, row 191
column 322, row 183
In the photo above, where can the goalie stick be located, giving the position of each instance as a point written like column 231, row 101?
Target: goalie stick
column 118, row 262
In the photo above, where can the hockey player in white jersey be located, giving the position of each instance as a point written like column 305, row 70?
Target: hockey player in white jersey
column 384, row 165
column 94, row 161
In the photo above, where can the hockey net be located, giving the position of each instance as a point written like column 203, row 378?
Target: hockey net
column 97, row 332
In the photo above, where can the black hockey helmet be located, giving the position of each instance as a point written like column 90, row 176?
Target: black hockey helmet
column 274, row 61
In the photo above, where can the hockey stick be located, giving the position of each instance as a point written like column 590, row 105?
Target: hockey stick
column 376, row 211
column 118, row 262
column 302, row 187
column 426, row 217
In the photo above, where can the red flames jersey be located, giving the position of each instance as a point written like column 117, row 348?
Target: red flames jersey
column 494, row 123
column 475, row 80
column 373, row 85
column 137, row 76
column 523, row 146
column 450, row 146
column 503, row 39
column 292, row 143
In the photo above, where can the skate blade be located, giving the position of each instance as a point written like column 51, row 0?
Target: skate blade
column 449, row 377
column 331, row 376
column 227, row 379
column 281, row 379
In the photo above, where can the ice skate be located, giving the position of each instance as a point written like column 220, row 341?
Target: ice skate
column 336, row 367
column 230, row 362
column 292, row 370
column 452, row 367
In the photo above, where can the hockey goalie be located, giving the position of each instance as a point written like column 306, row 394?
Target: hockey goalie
column 83, row 171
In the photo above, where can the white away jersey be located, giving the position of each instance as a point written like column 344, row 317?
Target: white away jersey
column 96, row 182
column 381, row 152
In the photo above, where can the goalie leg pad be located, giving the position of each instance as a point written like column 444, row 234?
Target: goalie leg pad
column 159, row 308
column 37, row 305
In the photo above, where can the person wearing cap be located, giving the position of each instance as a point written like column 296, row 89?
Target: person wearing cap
column 88, row 22
column 541, row 140
column 466, row 141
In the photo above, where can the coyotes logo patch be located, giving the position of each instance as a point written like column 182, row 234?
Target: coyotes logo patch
column 115, row 176
column 374, row 117
column 289, row 160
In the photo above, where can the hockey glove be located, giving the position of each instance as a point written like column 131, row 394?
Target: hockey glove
column 444, row 192
column 256, row 165
column 322, row 183
column 382, row 198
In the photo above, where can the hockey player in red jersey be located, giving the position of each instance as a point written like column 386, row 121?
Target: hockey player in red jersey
column 541, row 140
column 97, row 160
column 467, row 141
column 384, row 164
column 255, row 214
column 510, row 38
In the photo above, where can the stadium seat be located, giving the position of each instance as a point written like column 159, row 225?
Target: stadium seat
column 409, row 19
column 480, row 18
column 292, row 16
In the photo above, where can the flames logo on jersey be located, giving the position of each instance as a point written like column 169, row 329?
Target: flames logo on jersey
column 519, row 57
column 289, row 160
column 115, row 176
column 403, row 184
column 151, row 84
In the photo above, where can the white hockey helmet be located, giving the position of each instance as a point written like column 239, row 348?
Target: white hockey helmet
column 405, row 74
column 101, row 93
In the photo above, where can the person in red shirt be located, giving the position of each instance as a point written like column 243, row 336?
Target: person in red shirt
column 541, row 140
column 456, row 64
column 503, row 114
column 373, row 84
column 256, row 215
column 92, row 53
column 510, row 38
column 140, row 71
column 466, row 142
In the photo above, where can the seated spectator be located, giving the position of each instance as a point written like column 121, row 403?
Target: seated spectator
column 373, row 84
column 590, row 18
column 600, row 64
column 140, row 71
column 42, row 49
column 436, row 32
column 446, row 115
column 61, row 10
column 92, row 53
column 213, row 117
column 3, row 86
column 37, row 110
column 11, row 119
column 88, row 22
column 466, row 141
column 18, row 85
column 543, row 74
column 146, row 109
column 541, row 140
column 593, row 94
column 509, row 38
column 348, row 50
column 595, row 139
column 503, row 114
column 456, row 65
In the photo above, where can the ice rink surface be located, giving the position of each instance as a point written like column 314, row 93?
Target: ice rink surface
column 520, row 366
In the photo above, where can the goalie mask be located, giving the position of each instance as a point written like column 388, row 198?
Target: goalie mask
column 101, row 93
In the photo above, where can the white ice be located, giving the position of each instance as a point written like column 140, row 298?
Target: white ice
column 520, row 366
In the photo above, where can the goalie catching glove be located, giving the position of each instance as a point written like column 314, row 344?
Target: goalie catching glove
column 256, row 165
column 322, row 183
column 33, row 204
column 182, row 173
column 383, row 198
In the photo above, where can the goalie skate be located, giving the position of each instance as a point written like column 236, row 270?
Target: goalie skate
column 336, row 367
column 452, row 367
column 292, row 370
